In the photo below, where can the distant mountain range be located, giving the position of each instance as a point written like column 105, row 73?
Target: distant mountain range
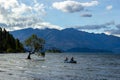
column 72, row 40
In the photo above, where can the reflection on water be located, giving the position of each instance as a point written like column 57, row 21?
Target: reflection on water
column 88, row 67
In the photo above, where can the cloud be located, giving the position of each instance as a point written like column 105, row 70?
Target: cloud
column 115, row 32
column 118, row 26
column 89, row 4
column 109, row 7
column 17, row 15
column 97, row 27
column 68, row 6
column 91, row 27
column 86, row 15
column 109, row 28
column 3, row 25
column 109, row 23
column 7, row 4
column 48, row 25
column 73, row 6
column 106, row 28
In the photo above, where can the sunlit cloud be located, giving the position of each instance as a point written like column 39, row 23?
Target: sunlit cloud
column 47, row 25
column 73, row 6
column 15, row 14
column 68, row 6
column 89, row 4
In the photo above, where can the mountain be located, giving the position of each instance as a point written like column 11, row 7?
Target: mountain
column 86, row 50
column 71, row 38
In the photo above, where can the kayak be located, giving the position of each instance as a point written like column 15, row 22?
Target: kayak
column 73, row 62
column 70, row 61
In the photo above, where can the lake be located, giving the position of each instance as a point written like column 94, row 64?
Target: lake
column 88, row 67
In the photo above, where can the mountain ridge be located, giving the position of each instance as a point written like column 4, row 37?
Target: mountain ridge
column 71, row 38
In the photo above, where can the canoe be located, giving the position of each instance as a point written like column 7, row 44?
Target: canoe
column 70, row 61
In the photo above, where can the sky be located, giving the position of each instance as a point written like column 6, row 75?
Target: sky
column 96, row 16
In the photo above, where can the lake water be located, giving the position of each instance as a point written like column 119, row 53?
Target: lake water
column 88, row 67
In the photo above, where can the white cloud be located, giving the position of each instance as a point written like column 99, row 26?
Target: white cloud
column 89, row 4
column 73, row 6
column 44, row 25
column 109, row 7
column 17, row 15
column 39, row 7
column 20, row 10
column 35, row 1
column 68, row 6
column 7, row 4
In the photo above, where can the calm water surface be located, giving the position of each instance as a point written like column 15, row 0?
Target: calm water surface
column 88, row 67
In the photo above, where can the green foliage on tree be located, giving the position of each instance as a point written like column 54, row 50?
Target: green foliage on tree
column 8, row 44
column 34, row 43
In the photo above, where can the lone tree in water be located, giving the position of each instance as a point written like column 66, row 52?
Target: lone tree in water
column 34, row 44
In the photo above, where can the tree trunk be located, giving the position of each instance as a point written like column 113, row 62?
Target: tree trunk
column 29, row 55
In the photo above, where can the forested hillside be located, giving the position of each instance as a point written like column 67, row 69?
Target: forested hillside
column 8, row 44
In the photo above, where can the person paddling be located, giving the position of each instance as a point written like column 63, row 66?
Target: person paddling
column 72, row 60
column 66, row 59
